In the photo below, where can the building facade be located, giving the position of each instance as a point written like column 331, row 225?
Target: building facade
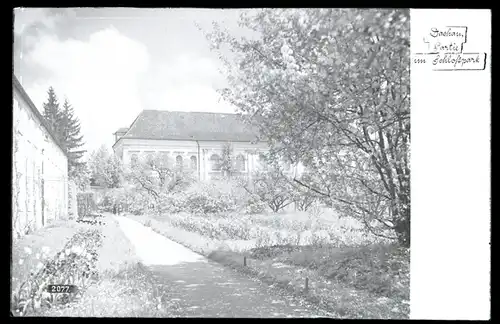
column 39, row 168
column 194, row 141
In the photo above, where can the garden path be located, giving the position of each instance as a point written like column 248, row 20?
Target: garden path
column 204, row 288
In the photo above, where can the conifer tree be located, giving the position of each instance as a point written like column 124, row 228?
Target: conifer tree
column 66, row 128
column 71, row 137
column 52, row 113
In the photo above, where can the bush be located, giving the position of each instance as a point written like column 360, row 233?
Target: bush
column 172, row 203
column 206, row 203
column 75, row 264
column 254, row 205
column 85, row 203
column 272, row 187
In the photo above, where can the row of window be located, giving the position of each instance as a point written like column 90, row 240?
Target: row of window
column 215, row 162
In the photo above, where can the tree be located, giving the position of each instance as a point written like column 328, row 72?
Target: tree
column 81, row 176
column 106, row 168
column 66, row 128
column 330, row 88
column 52, row 113
column 156, row 175
column 226, row 162
column 71, row 138
column 271, row 186
column 302, row 196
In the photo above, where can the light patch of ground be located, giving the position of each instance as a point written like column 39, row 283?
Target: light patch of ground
column 155, row 249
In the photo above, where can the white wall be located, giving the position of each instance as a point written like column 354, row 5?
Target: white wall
column 125, row 148
column 36, row 156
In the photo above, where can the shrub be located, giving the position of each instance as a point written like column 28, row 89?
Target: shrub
column 208, row 199
column 85, row 203
column 272, row 187
column 254, row 205
column 139, row 204
column 75, row 265
column 172, row 203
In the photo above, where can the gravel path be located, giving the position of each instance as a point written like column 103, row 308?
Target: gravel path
column 203, row 288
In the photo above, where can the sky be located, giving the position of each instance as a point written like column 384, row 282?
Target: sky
column 112, row 63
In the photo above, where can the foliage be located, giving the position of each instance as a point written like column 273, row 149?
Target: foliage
column 330, row 88
column 81, row 176
column 272, row 187
column 254, row 205
column 353, row 276
column 106, row 168
column 155, row 174
column 303, row 198
column 86, row 203
column 201, row 198
column 379, row 269
column 66, row 128
column 52, row 112
column 70, row 134
column 264, row 230
column 74, row 265
column 172, row 204
column 205, row 203
column 227, row 160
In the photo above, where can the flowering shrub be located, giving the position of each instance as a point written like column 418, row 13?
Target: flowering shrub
column 264, row 230
column 271, row 187
column 205, row 199
column 216, row 229
column 254, row 205
column 138, row 204
column 172, row 203
column 74, row 265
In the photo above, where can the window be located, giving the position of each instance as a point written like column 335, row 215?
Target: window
column 262, row 161
column 193, row 162
column 215, row 162
column 164, row 159
column 240, row 163
column 178, row 162
column 134, row 159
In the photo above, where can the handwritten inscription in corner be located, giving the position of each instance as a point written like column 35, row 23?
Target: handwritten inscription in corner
column 445, row 51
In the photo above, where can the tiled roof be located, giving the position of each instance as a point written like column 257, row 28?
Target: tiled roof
column 176, row 125
column 122, row 130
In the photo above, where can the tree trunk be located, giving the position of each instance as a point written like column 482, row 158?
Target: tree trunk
column 402, row 227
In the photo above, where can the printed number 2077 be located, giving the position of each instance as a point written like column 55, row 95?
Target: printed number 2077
column 57, row 289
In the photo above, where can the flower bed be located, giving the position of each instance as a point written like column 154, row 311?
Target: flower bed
column 75, row 265
column 270, row 230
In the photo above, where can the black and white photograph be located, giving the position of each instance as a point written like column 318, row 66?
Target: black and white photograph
column 215, row 163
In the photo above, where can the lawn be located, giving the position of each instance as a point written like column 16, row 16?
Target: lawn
column 28, row 250
column 121, row 288
column 349, row 272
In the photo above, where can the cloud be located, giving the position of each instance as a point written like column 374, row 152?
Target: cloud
column 99, row 77
column 35, row 20
column 195, row 97
column 186, row 83
column 189, row 68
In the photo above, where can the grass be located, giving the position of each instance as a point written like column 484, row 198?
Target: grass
column 127, row 292
column 51, row 238
column 368, row 282
column 124, row 288
column 360, row 281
